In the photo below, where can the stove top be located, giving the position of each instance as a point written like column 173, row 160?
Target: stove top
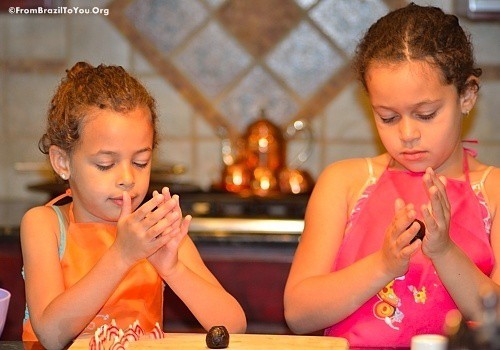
column 231, row 205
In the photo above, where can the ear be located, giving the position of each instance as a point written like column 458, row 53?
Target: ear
column 469, row 97
column 59, row 159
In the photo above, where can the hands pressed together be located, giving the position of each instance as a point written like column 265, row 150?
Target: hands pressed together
column 396, row 249
column 153, row 231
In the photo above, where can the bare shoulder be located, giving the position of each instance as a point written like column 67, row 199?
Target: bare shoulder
column 38, row 220
column 492, row 189
column 353, row 172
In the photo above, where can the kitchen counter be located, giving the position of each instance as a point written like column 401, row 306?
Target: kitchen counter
column 19, row 345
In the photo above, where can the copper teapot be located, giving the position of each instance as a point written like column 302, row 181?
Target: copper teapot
column 256, row 163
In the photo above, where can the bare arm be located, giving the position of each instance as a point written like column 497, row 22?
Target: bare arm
column 462, row 278
column 196, row 286
column 315, row 297
column 181, row 267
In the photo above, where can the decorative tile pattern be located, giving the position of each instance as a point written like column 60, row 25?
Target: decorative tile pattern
column 215, row 3
column 345, row 21
column 305, row 60
column 258, row 90
column 202, row 58
column 306, row 3
column 231, row 58
column 259, row 24
column 166, row 22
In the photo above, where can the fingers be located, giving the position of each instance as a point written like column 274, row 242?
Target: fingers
column 404, row 216
column 126, row 205
column 156, row 208
column 182, row 232
column 166, row 218
column 438, row 208
column 147, row 208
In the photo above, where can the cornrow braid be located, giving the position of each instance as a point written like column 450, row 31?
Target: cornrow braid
column 420, row 33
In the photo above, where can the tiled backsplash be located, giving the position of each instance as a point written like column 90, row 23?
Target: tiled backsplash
column 212, row 64
column 232, row 58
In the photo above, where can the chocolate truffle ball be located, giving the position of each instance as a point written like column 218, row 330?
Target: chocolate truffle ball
column 217, row 337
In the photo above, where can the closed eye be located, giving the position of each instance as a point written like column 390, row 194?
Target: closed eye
column 427, row 116
column 141, row 165
column 388, row 120
column 104, row 167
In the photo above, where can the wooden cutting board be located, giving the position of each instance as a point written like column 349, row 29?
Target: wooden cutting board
column 195, row 341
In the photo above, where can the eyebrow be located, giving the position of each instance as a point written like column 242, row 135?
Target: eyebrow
column 416, row 105
column 112, row 153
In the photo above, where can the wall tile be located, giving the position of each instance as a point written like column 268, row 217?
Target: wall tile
column 338, row 151
column 154, row 19
column 27, row 99
column 207, row 166
column 140, row 65
column 175, row 115
column 485, row 119
column 95, row 40
column 484, row 35
column 345, row 21
column 488, row 153
column 203, row 129
column 36, row 36
column 212, row 60
column 305, row 60
column 348, row 117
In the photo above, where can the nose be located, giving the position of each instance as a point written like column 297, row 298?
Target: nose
column 408, row 129
column 126, row 179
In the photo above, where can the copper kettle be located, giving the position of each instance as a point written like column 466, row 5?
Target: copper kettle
column 260, row 164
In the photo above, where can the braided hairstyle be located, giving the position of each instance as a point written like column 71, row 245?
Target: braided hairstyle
column 85, row 88
column 420, row 33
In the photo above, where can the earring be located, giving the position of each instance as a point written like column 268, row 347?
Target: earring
column 64, row 176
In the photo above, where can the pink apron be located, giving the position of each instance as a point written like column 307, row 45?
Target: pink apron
column 417, row 302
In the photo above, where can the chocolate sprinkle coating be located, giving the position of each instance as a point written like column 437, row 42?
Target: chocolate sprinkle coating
column 217, row 338
column 421, row 232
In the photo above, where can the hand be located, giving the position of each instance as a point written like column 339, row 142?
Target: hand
column 139, row 233
column 396, row 249
column 436, row 215
column 166, row 258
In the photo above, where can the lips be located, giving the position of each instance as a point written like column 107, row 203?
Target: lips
column 119, row 200
column 414, row 155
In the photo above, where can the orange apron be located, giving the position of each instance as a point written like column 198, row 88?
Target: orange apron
column 139, row 296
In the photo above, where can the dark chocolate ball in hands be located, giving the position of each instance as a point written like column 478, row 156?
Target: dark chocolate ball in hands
column 217, row 337
column 421, row 232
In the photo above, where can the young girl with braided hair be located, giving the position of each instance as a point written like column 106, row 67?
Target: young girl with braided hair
column 356, row 273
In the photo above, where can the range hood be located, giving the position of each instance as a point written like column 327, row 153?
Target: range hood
column 479, row 9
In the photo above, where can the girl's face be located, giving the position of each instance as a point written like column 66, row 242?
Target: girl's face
column 113, row 155
column 418, row 117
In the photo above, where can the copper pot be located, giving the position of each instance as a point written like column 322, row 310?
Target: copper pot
column 262, row 151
